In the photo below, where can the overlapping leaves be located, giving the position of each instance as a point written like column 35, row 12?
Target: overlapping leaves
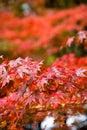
column 27, row 87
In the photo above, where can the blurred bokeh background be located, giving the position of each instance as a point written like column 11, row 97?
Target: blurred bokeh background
column 37, row 28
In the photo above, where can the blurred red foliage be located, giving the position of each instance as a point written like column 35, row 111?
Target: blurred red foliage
column 28, row 87
column 35, row 33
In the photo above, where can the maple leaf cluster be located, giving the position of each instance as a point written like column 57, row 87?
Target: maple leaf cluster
column 27, row 87
column 37, row 34
column 80, row 38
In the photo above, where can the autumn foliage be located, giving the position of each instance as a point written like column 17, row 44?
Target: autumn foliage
column 29, row 89
column 34, row 35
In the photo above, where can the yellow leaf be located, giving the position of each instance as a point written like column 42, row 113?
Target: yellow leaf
column 3, row 124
